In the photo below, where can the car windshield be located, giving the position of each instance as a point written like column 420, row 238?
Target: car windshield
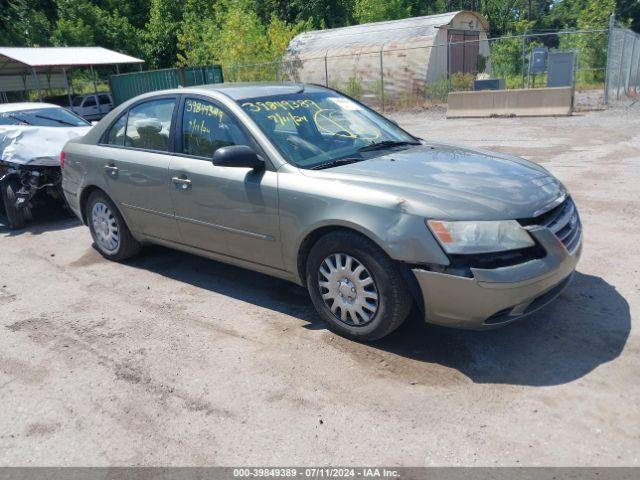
column 43, row 117
column 324, row 129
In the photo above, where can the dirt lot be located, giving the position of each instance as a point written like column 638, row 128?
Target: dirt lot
column 174, row 360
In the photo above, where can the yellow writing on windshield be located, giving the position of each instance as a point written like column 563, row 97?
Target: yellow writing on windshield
column 336, row 123
column 287, row 105
column 287, row 118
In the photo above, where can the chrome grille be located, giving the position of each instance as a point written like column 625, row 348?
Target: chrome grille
column 563, row 221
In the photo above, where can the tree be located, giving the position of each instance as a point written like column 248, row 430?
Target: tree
column 592, row 48
column 233, row 34
column 24, row 25
column 135, row 11
column 161, row 33
column 628, row 12
column 82, row 23
column 198, row 17
column 367, row 11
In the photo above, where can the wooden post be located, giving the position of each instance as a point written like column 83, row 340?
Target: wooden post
column 66, row 79
column 524, row 54
column 35, row 78
column 95, row 89
column 381, row 81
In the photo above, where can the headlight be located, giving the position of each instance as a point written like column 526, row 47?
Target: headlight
column 480, row 237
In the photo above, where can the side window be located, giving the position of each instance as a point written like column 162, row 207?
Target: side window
column 117, row 132
column 89, row 101
column 149, row 124
column 104, row 99
column 206, row 128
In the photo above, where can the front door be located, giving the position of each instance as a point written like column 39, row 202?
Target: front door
column 225, row 210
column 90, row 108
column 136, row 165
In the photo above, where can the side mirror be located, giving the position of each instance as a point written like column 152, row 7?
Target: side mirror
column 239, row 156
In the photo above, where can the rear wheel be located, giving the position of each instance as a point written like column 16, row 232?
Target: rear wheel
column 356, row 288
column 110, row 233
column 17, row 217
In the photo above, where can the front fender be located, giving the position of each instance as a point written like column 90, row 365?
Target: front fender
column 307, row 205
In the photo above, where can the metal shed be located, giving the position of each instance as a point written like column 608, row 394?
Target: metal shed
column 404, row 54
column 23, row 69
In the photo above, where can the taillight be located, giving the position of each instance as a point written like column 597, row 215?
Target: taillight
column 62, row 159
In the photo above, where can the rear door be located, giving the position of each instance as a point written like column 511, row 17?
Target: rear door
column 226, row 210
column 135, row 157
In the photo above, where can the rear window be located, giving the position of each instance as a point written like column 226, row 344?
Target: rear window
column 146, row 126
column 117, row 132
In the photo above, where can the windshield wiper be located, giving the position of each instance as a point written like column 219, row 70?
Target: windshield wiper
column 385, row 144
column 44, row 117
column 21, row 120
column 337, row 162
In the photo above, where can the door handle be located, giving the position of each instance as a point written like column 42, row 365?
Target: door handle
column 111, row 170
column 181, row 183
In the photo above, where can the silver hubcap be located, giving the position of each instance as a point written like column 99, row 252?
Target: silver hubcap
column 348, row 289
column 105, row 227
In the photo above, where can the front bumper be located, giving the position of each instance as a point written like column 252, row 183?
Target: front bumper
column 495, row 297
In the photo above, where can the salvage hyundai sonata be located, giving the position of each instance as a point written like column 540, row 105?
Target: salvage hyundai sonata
column 303, row 183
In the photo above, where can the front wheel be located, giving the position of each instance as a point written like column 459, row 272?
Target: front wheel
column 356, row 288
column 110, row 233
column 17, row 216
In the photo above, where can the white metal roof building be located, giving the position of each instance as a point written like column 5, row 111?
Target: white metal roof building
column 23, row 69
column 404, row 54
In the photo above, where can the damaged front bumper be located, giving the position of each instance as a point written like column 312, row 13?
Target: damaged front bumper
column 31, row 180
column 498, row 296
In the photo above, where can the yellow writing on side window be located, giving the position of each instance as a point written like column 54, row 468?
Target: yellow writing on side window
column 198, row 127
column 200, row 108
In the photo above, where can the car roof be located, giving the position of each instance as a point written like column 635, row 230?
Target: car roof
column 242, row 91
column 18, row 107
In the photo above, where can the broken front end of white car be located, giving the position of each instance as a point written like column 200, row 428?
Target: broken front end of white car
column 30, row 173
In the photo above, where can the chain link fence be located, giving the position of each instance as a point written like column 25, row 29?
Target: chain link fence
column 390, row 78
column 623, row 63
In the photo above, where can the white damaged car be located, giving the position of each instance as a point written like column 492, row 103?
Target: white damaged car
column 31, row 138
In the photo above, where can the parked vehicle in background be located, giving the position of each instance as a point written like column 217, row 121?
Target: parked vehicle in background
column 31, row 138
column 305, row 184
column 93, row 107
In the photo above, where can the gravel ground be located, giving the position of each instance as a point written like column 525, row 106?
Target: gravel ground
column 170, row 359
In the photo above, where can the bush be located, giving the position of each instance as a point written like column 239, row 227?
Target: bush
column 439, row 90
column 462, row 81
column 354, row 88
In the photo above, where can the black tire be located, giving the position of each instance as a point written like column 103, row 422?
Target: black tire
column 16, row 217
column 127, row 246
column 393, row 298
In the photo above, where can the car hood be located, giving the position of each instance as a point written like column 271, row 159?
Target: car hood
column 36, row 146
column 453, row 182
